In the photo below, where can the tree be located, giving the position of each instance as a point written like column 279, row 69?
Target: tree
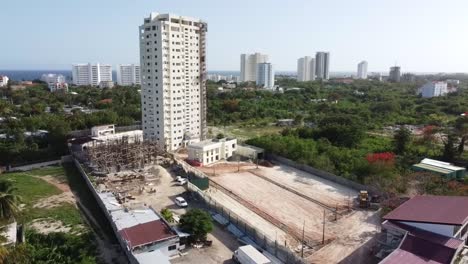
column 196, row 222
column 220, row 136
column 299, row 120
column 450, row 150
column 461, row 128
column 401, row 140
column 167, row 215
column 8, row 200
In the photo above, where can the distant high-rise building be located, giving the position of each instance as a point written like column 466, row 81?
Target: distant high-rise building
column 128, row 74
column 91, row 74
column 305, row 69
column 265, row 75
column 322, row 65
column 173, row 76
column 362, row 70
column 433, row 89
column 248, row 72
column 395, row 74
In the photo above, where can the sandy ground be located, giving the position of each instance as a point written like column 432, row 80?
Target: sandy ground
column 222, row 167
column 55, row 200
column 356, row 229
column 46, row 226
column 221, row 251
column 317, row 188
column 253, row 219
column 287, row 207
column 247, row 192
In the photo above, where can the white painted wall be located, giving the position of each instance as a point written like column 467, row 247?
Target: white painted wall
column 445, row 230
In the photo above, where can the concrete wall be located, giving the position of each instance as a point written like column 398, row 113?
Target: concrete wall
column 317, row 172
column 40, row 164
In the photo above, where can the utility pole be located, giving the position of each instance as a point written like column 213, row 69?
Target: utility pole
column 238, row 163
column 302, row 248
column 323, row 231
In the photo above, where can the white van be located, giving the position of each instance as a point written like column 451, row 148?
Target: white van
column 181, row 202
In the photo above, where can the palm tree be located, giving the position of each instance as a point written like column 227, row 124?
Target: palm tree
column 8, row 200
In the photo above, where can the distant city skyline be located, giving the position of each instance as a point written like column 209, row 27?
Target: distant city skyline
column 383, row 33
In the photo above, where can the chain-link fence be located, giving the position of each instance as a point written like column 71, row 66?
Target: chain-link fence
column 245, row 231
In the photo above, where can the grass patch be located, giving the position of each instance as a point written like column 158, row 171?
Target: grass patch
column 67, row 213
column 30, row 188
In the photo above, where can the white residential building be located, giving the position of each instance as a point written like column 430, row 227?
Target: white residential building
column 58, row 87
column 212, row 150
column 3, row 80
column 322, row 65
column 265, row 75
column 91, row 74
column 128, row 74
column 362, row 70
column 433, row 89
column 53, row 78
column 306, row 69
column 173, row 90
column 249, row 66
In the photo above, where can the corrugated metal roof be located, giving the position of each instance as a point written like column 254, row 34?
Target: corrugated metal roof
column 432, row 168
column 441, row 164
column 452, row 210
column 401, row 256
column 146, row 233
column 110, row 202
column 125, row 219
column 152, row 257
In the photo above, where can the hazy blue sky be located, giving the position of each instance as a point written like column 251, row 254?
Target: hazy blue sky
column 419, row 35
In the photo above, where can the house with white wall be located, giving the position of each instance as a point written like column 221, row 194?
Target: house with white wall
column 426, row 229
column 212, row 150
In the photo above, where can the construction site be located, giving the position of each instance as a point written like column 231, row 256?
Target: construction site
column 294, row 207
column 313, row 217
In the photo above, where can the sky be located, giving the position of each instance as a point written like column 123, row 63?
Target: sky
column 418, row 35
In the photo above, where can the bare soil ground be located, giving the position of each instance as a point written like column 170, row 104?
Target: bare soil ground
column 278, row 203
column 46, row 226
column 322, row 190
column 222, row 167
column 263, row 226
column 55, row 200
column 267, row 196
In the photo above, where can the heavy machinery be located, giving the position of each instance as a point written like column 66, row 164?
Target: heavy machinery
column 364, row 201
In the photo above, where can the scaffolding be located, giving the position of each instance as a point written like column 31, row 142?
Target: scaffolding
column 122, row 154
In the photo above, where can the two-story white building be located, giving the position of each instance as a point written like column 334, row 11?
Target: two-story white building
column 426, row 229
column 212, row 150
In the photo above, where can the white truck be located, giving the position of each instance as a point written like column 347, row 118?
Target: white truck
column 249, row 255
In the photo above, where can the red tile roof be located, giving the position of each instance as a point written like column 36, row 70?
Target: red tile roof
column 452, row 210
column 146, row 233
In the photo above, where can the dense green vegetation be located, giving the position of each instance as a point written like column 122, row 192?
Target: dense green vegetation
column 35, row 108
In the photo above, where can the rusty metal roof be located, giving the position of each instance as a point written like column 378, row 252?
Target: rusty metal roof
column 146, row 233
column 451, row 210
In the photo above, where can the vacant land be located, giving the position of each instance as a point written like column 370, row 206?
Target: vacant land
column 281, row 201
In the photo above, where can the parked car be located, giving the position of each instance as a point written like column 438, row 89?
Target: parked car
column 181, row 181
column 178, row 178
column 180, row 202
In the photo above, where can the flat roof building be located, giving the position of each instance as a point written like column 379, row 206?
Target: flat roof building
column 212, row 150
column 445, row 169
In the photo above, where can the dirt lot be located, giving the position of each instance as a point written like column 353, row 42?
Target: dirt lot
column 270, row 198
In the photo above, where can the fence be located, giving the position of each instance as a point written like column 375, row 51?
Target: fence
column 38, row 165
column 319, row 173
column 245, row 231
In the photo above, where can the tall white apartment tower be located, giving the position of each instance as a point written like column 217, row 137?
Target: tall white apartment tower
column 128, row 74
column 322, row 65
column 305, row 69
column 173, row 76
column 265, row 75
column 91, row 74
column 248, row 72
column 362, row 70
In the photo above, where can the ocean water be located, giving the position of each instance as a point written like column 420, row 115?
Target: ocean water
column 28, row 75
